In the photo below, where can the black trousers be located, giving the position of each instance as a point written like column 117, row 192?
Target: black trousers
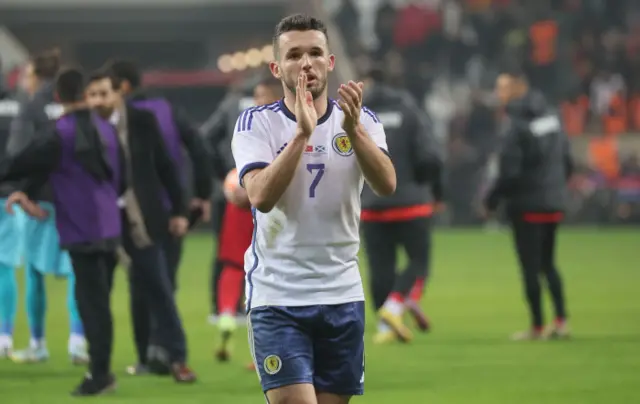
column 140, row 310
column 535, row 244
column 150, row 283
column 382, row 240
column 94, row 280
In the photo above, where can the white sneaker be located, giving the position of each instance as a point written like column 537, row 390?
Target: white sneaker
column 5, row 352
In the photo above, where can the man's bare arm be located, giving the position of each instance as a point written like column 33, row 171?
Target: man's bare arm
column 266, row 186
column 376, row 166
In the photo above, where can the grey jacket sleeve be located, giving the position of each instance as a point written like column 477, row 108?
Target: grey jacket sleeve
column 31, row 121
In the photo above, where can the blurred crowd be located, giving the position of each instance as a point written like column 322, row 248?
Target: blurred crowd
column 584, row 55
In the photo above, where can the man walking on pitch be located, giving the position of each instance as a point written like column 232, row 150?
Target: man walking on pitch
column 177, row 133
column 148, row 175
column 403, row 219
column 535, row 164
column 303, row 161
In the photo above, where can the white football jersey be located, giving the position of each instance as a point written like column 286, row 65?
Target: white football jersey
column 305, row 251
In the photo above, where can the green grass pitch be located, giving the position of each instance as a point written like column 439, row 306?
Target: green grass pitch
column 474, row 300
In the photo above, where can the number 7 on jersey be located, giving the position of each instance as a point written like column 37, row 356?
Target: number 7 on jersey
column 317, row 170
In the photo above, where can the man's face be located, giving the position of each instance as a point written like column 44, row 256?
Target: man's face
column 30, row 81
column 263, row 95
column 504, row 89
column 304, row 51
column 101, row 97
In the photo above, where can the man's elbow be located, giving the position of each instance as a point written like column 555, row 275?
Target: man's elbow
column 387, row 187
column 261, row 203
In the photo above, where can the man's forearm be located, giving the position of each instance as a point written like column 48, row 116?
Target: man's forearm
column 267, row 186
column 376, row 166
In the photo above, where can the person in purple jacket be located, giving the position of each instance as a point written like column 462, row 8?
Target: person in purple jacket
column 80, row 159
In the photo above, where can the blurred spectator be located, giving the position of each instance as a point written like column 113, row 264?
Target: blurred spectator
column 3, row 93
column 604, row 87
column 348, row 19
column 575, row 113
column 384, row 26
column 543, row 51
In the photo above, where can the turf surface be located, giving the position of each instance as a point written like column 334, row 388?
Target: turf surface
column 474, row 300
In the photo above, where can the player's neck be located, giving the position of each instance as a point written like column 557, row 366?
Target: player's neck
column 321, row 104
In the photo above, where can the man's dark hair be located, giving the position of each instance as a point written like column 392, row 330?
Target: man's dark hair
column 102, row 74
column 70, row 85
column 125, row 70
column 298, row 22
column 515, row 72
column 46, row 64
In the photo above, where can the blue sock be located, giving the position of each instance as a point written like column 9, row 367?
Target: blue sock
column 8, row 299
column 36, row 303
column 74, row 316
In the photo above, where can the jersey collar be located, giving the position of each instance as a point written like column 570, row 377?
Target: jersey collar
column 292, row 116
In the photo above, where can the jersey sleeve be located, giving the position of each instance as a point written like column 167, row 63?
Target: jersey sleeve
column 250, row 145
column 374, row 128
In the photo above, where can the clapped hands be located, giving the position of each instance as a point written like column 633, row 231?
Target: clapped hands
column 351, row 103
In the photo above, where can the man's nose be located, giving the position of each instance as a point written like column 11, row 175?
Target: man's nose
column 306, row 61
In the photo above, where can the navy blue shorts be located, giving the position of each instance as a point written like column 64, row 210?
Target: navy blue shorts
column 320, row 345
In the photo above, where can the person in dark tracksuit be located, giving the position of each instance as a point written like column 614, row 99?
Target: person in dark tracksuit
column 79, row 161
column 150, row 172
column 403, row 219
column 535, row 164
column 177, row 133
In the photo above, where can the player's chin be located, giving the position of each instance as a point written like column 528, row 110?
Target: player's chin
column 316, row 91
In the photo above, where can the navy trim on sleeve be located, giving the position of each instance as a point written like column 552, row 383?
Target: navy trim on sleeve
column 250, row 167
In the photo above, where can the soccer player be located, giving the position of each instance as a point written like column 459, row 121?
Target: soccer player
column 177, row 132
column 535, row 164
column 403, row 219
column 303, row 161
column 236, row 234
column 42, row 252
column 80, row 160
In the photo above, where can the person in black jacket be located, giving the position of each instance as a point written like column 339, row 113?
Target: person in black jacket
column 404, row 218
column 177, row 132
column 146, row 221
column 535, row 164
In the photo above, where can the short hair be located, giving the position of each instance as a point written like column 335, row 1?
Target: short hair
column 515, row 72
column 46, row 64
column 125, row 70
column 70, row 85
column 102, row 74
column 298, row 22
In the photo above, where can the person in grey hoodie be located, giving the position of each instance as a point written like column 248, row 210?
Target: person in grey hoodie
column 41, row 248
